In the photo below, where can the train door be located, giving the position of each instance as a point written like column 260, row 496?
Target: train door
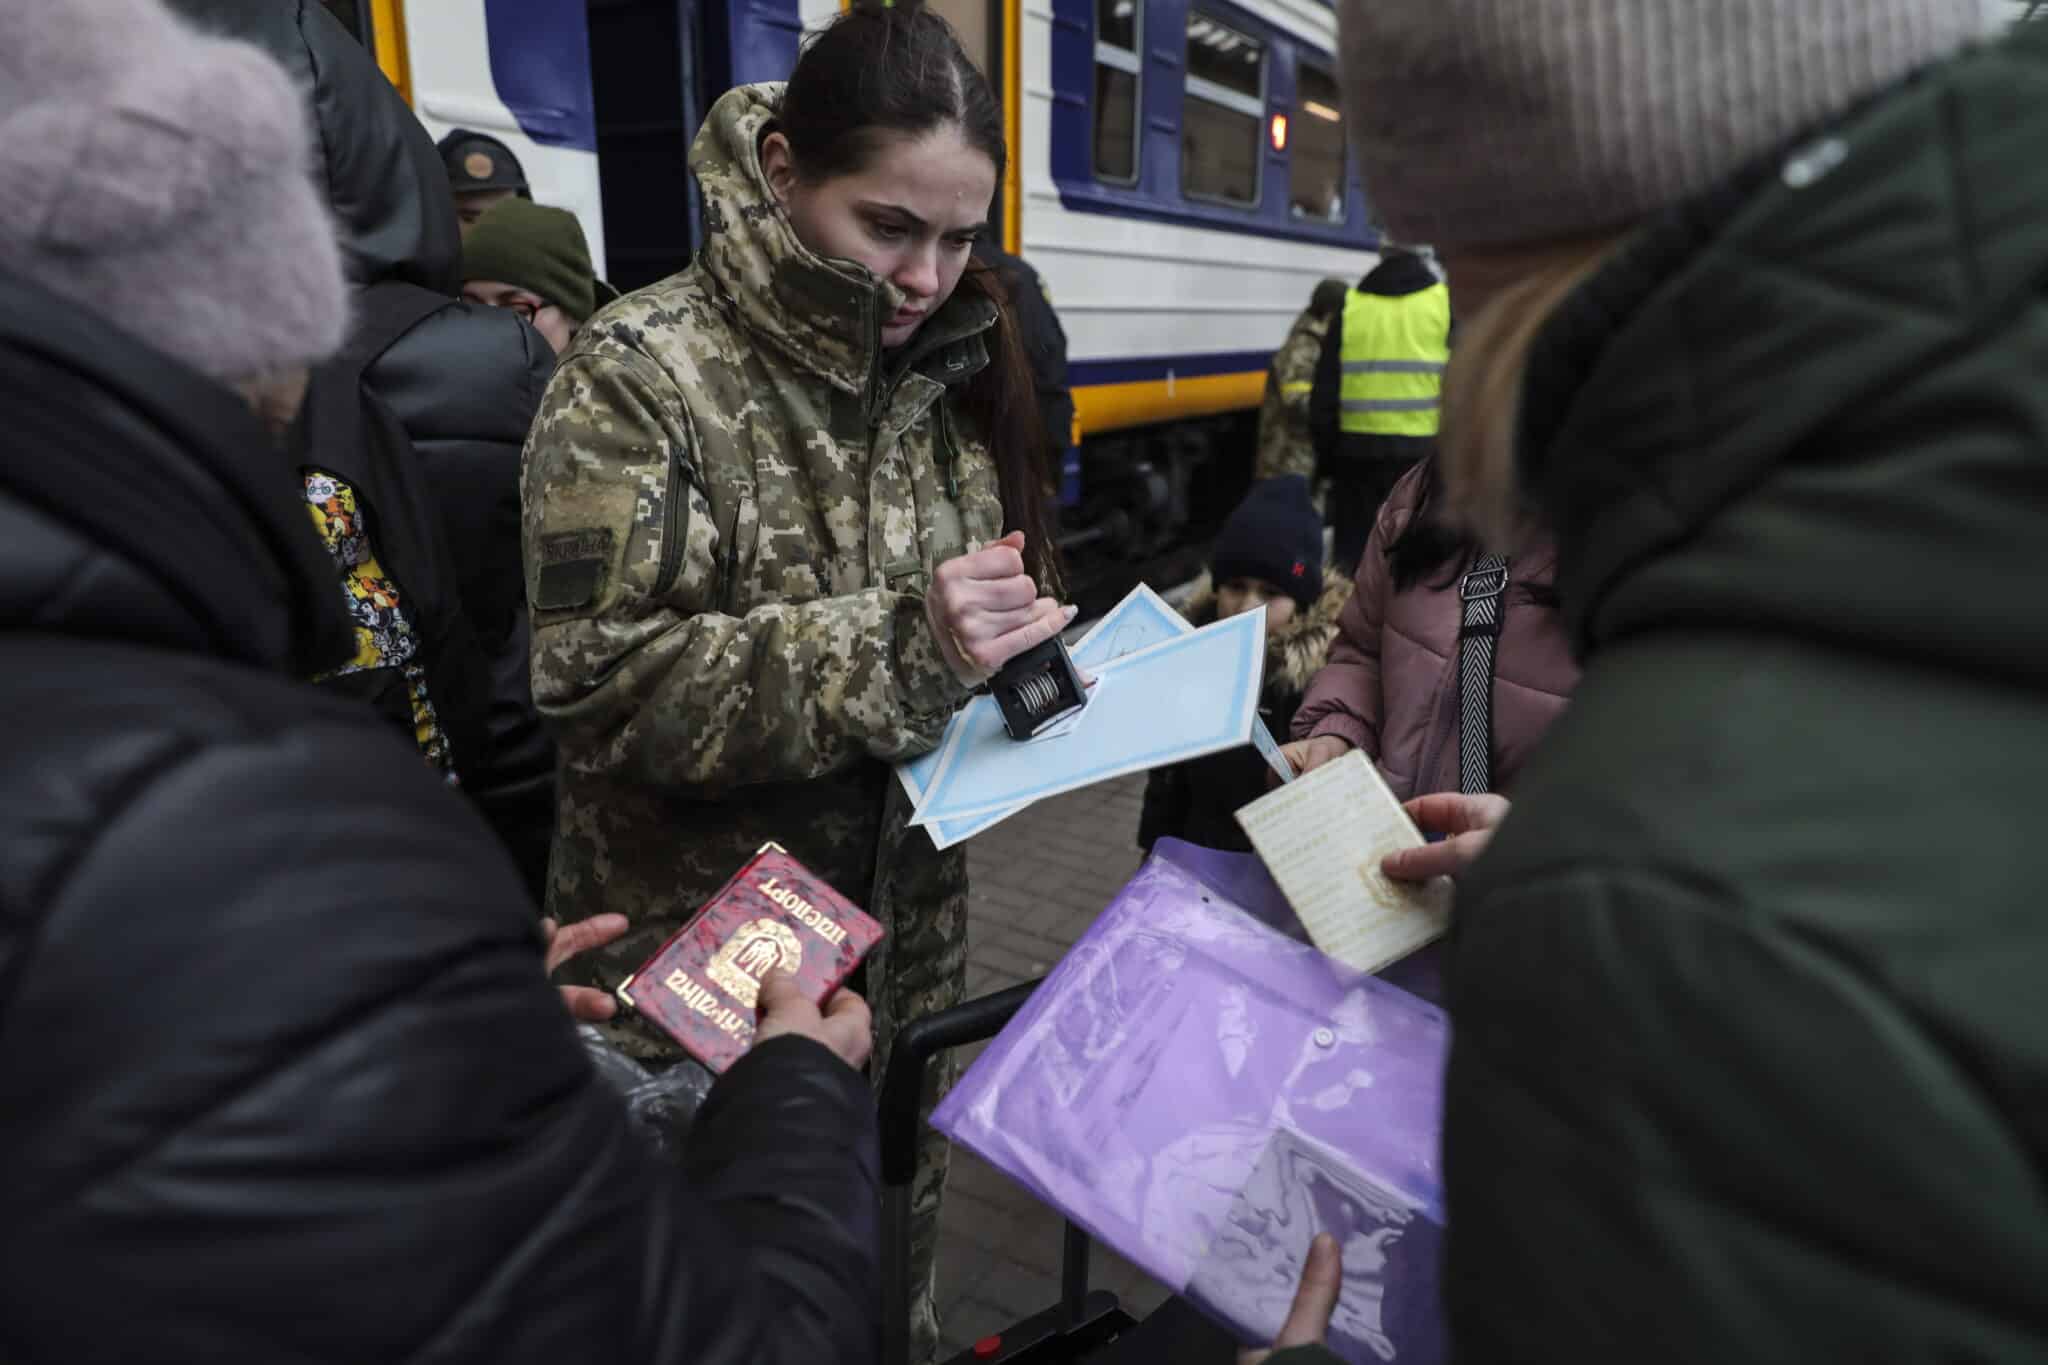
column 518, row 70
column 647, row 62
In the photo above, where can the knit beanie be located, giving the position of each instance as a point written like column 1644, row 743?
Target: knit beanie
column 532, row 247
column 1275, row 535
column 161, row 179
column 1480, row 122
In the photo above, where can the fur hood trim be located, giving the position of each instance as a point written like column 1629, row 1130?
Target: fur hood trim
column 1297, row 651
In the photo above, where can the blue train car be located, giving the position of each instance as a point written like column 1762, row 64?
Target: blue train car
column 1180, row 179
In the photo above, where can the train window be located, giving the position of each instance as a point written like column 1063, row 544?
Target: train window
column 1316, row 191
column 1222, row 120
column 1118, row 29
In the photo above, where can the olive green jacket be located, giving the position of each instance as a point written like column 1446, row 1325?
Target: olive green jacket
column 733, row 505
column 1751, row 990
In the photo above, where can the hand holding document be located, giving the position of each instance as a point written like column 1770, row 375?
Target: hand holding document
column 1322, row 837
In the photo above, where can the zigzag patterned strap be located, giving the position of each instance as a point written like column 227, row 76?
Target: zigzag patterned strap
column 1484, row 594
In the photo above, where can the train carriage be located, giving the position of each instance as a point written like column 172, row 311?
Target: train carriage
column 1179, row 179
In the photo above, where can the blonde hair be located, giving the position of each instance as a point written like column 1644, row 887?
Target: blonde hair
column 1483, row 386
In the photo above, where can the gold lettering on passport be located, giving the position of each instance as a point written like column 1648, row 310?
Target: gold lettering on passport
column 755, row 949
column 707, row 1004
column 803, row 912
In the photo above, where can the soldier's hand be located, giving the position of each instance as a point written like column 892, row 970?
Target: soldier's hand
column 843, row 1026
column 985, row 610
column 1307, row 755
column 586, row 1003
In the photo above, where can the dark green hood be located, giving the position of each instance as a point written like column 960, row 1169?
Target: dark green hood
column 1817, row 401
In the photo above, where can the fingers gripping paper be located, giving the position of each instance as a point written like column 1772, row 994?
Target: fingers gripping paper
column 1322, row 837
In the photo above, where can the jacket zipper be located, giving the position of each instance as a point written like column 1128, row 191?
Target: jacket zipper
column 948, row 453
column 731, row 569
column 874, row 394
column 673, row 526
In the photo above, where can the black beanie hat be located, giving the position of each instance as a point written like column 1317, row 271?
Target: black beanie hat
column 1274, row 535
column 478, row 161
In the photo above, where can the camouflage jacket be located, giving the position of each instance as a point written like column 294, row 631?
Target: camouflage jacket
column 733, row 503
column 1285, row 446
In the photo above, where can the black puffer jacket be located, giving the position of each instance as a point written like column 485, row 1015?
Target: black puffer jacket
column 280, row 1078
column 464, row 381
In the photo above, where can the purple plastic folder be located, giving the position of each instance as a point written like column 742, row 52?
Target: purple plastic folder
column 1205, row 1092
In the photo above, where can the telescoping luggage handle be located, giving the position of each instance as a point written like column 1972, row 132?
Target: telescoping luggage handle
column 1067, row 1331
column 916, row 1044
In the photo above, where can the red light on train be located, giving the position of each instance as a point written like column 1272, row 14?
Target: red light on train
column 1279, row 132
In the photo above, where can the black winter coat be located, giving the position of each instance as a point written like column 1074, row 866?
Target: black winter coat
column 464, row 382
column 280, row 1076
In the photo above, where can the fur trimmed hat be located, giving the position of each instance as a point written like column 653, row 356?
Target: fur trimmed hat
column 162, row 178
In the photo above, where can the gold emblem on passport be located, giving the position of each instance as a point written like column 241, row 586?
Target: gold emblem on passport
column 479, row 165
column 756, row 948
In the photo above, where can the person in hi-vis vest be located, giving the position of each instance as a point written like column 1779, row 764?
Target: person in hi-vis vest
column 1378, row 390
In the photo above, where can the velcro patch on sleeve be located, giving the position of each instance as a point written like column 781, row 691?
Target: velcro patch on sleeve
column 573, row 565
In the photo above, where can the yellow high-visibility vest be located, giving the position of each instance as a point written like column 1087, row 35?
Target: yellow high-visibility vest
column 1395, row 350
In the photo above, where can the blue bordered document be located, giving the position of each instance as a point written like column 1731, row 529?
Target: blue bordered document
column 1142, row 619
column 1192, row 694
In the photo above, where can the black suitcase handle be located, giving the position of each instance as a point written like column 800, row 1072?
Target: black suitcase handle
column 917, row 1042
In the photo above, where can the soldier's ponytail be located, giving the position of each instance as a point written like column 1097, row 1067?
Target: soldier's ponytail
column 898, row 69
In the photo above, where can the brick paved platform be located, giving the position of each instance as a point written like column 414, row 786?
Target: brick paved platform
column 1038, row 880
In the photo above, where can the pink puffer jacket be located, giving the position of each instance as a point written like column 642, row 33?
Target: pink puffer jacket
column 1391, row 685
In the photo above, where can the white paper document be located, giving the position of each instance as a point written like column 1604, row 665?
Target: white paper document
column 1322, row 838
column 1142, row 619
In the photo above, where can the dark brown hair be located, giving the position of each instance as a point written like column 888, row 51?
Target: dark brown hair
column 899, row 70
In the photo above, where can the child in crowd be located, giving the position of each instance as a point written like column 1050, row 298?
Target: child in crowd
column 1269, row 556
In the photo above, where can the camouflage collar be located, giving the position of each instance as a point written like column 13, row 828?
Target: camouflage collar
column 825, row 315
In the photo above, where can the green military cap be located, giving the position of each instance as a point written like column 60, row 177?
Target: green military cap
column 539, row 249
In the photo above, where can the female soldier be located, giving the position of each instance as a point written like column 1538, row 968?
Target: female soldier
column 1751, row 1053
column 753, row 499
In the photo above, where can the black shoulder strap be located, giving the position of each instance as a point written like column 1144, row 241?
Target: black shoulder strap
column 1484, row 594
column 352, row 434
column 338, row 427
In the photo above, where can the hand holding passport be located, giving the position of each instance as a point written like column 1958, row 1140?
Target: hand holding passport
column 844, row 1025
column 773, row 919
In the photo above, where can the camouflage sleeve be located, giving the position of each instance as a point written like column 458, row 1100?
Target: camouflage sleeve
column 635, row 661
column 1284, row 443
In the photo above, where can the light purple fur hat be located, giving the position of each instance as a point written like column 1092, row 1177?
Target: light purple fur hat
column 161, row 178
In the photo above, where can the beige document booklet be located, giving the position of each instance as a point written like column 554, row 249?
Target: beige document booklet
column 1322, row 837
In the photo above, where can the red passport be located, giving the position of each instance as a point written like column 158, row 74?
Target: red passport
column 703, row 986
